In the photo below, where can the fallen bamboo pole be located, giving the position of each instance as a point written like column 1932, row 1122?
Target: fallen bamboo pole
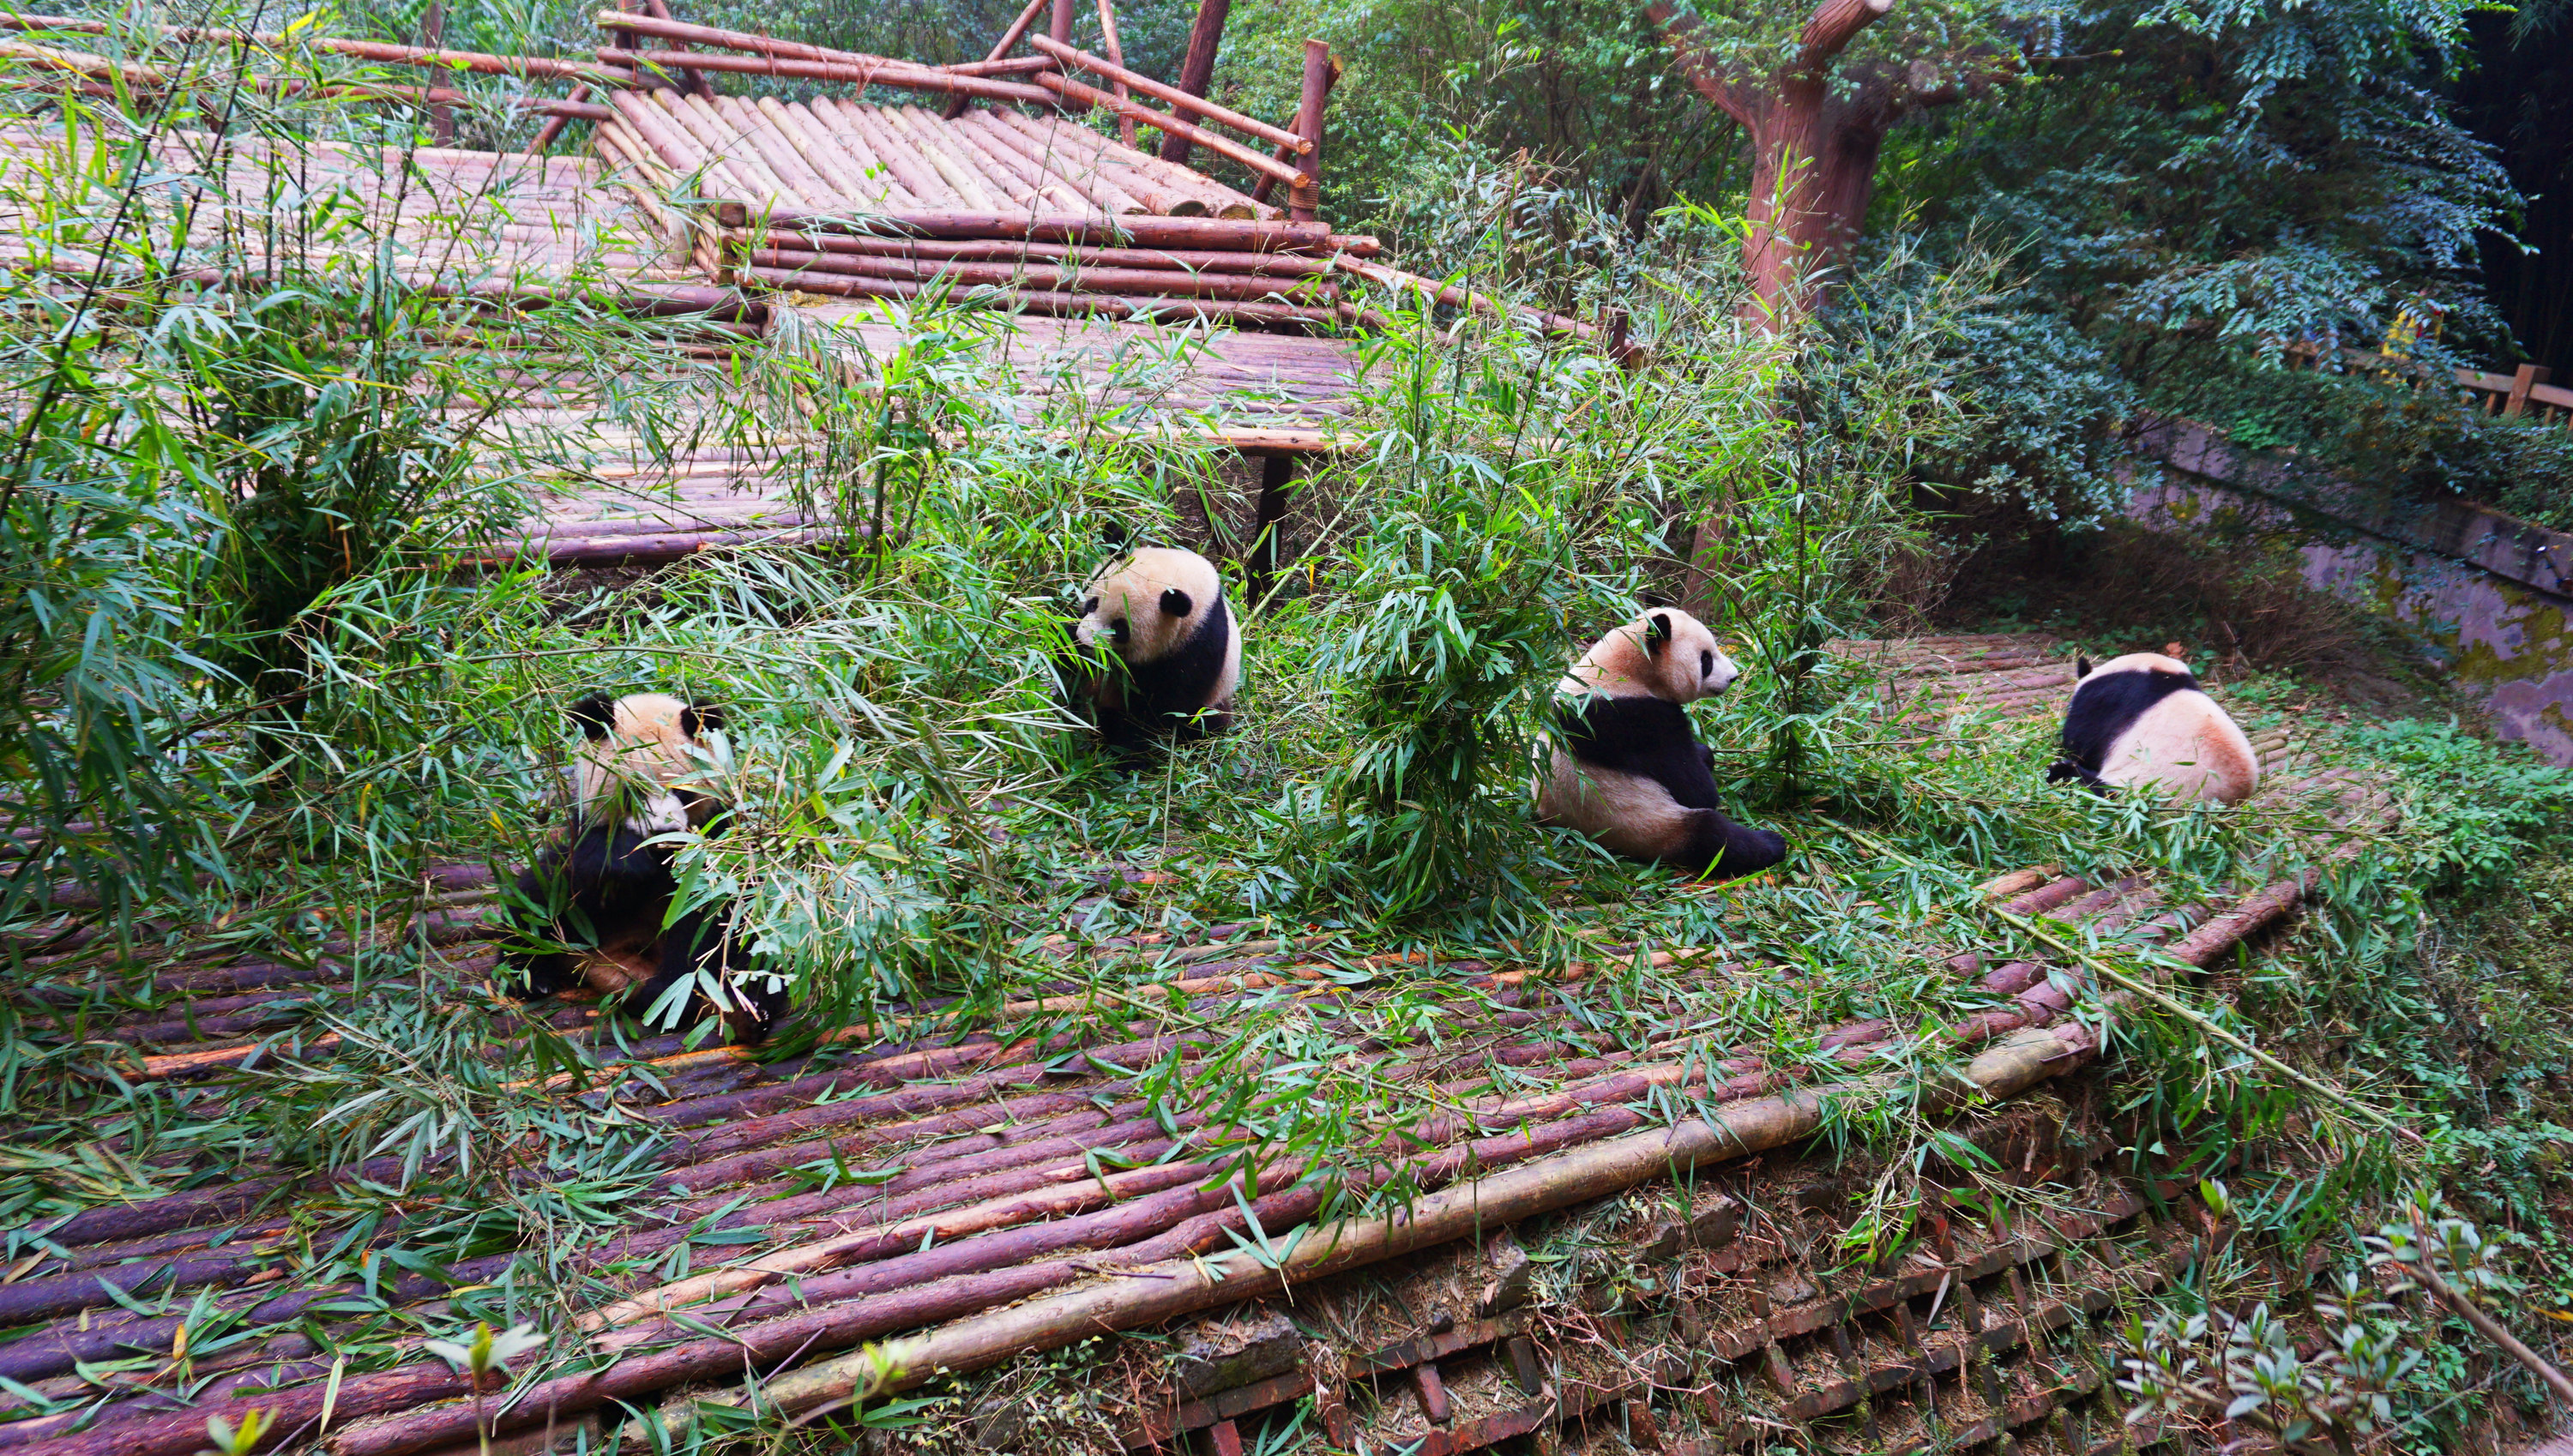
column 1249, row 126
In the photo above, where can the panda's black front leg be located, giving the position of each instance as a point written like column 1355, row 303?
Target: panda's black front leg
column 527, row 973
column 703, row 939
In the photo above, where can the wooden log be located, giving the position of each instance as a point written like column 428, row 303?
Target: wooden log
column 998, row 250
column 697, row 117
column 1007, row 176
column 1094, row 155
column 555, row 124
column 1033, row 187
column 1460, row 298
column 1113, row 306
column 839, row 127
column 1089, row 185
column 697, row 83
column 1001, row 49
column 1197, row 68
column 1179, row 100
column 1168, row 125
column 804, row 132
column 672, row 142
column 960, row 175
column 1304, row 198
column 777, row 153
column 1117, row 57
column 1165, row 1291
column 916, row 175
column 1135, row 282
column 478, row 62
column 900, row 74
column 1120, row 232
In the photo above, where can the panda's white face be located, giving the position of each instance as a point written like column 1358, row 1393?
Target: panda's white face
column 1145, row 606
column 641, row 764
column 1665, row 652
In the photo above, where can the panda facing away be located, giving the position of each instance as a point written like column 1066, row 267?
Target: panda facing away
column 1627, row 771
column 2140, row 719
column 639, row 773
column 1161, row 613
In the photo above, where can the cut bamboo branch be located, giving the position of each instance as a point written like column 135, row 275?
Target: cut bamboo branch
column 1248, row 126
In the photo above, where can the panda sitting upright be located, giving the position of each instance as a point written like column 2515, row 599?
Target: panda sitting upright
column 2140, row 719
column 601, row 883
column 1627, row 771
column 1161, row 613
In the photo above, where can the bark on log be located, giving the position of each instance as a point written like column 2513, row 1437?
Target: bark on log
column 1196, row 68
column 1001, row 49
column 1038, row 277
column 1113, row 306
column 1168, row 125
column 891, row 73
column 1266, row 265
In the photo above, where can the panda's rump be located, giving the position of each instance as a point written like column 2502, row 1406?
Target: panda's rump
column 2189, row 748
column 1630, row 814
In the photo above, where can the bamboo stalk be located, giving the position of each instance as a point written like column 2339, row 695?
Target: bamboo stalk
column 1248, row 126
column 1168, row 125
column 1001, row 49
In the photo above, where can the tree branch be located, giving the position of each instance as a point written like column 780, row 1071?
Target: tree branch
column 1696, row 68
column 1833, row 25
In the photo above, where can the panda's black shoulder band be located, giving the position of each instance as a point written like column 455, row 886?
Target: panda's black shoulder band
column 594, row 713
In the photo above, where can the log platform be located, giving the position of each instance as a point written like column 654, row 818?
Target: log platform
column 1606, row 1248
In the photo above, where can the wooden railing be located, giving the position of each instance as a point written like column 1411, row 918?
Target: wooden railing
column 2511, row 396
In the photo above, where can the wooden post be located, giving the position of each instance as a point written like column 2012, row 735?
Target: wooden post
column 697, row 82
column 441, row 116
column 1277, row 476
column 1305, row 198
column 1116, row 56
column 555, row 124
column 1001, row 50
column 1196, row 72
column 1060, row 26
column 2526, row 378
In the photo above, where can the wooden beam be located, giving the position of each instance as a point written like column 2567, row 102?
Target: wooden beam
column 1197, row 71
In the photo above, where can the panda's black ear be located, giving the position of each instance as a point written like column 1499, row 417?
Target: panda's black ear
column 697, row 718
column 1657, row 635
column 1113, row 532
column 2081, row 666
column 594, row 713
column 1177, row 603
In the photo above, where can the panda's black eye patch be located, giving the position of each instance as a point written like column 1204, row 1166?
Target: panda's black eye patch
column 1175, row 602
column 1117, row 630
column 1706, row 664
column 1090, row 606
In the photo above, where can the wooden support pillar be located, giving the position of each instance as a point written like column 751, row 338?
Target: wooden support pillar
column 1001, row 49
column 1196, row 70
column 432, row 31
column 554, row 124
column 697, row 82
column 1060, row 27
column 2528, row 376
column 1276, row 478
column 1305, row 198
column 1115, row 56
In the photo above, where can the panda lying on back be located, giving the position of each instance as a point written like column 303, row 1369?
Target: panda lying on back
column 1626, row 769
column 1161, row 612
column 2140, row 719
column 638, row 775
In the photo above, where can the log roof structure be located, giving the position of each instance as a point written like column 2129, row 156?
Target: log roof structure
column 907, row 1201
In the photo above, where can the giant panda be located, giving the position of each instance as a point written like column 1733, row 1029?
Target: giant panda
column 2140, row 719
column 640, row 772
column 1161, row 613
column 1626, row 770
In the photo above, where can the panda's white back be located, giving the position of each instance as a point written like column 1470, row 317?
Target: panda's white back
column 2187, row 748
